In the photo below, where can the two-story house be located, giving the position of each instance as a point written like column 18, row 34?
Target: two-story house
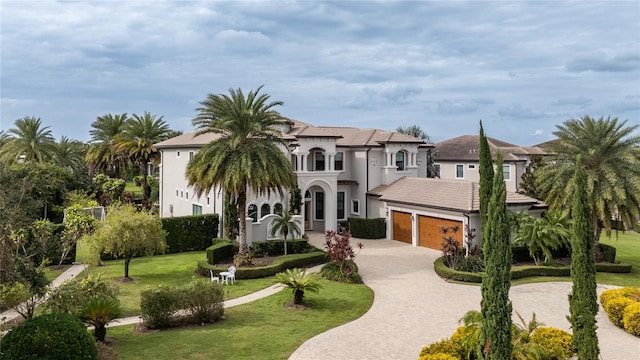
column 458, row 158
column 342, row 172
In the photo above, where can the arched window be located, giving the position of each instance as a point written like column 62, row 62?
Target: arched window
column 401, row 159
column 265, row 210
column 277, row 209
column 252, row 212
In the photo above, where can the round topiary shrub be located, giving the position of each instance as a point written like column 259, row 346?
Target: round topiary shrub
column 615, row 309
column 631, row 319
column 49, row 337
column 556, row 343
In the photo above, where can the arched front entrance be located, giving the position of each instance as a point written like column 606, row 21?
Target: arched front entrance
column 319, row 207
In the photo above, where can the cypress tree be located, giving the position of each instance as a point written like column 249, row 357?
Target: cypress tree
column 495, row 305
column 486, row 176
column 583, row 300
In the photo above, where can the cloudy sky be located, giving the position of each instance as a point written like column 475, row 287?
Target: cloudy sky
column 521, row 67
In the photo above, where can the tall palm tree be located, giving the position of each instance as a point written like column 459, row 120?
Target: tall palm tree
column 69, row 154
column 102, row 155
column 137, row 143
column 284, row 225
column 612, row 165
column 248, row 155
column 28, row 141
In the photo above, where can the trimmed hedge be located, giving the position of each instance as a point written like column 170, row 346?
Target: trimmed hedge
column 519, row 272
column 190, row 233
column 276, row 247
column 368, row 228
column 49, row 337
column 608, row 253
column 222, row 250
column 280, row 264
column 637, row 228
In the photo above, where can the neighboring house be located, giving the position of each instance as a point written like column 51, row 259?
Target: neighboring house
column 418, row 208
column 457, row 158
column 335, row 167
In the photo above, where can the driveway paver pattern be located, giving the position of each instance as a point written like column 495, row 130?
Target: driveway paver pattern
column 413, row 307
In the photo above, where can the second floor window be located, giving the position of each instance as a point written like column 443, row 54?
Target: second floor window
column 506, row 172
column 339, row 163
column 459, row 171
column 319, row 158
column 400, row 160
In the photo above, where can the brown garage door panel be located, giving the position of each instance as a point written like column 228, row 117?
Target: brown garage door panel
column 401, row 226
column 429, row 234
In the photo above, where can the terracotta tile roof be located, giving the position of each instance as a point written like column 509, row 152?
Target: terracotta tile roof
column 458, row 195
column 345, row 136
column 188, row 140
column 467, row 148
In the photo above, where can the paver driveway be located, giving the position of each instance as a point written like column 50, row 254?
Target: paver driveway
column 413, row 307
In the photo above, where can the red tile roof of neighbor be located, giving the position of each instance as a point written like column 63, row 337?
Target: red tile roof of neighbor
column 441, row 193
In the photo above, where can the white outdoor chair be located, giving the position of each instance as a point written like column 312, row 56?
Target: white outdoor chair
column 230, row 274
column 214, row 278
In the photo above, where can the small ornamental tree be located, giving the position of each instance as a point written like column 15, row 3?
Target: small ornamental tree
column 295, row 200
column 77, row 223
column 339, row 249
column 284, row 225
column 126, row 232
column 583, row 300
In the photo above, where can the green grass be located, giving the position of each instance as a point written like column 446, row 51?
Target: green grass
column 173, row 269
column 627, row 251
column 132, row 187
column 263, row 329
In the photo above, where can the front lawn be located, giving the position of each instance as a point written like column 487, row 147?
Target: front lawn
column 263, row 329
column 627, row 251
column 172, row 269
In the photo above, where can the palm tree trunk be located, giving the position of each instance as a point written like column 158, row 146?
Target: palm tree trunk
column 146, row 190
column 242, row 228
column 298, row 295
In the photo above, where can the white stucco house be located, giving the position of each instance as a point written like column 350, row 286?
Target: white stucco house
column 458, row 158
column 342, row 172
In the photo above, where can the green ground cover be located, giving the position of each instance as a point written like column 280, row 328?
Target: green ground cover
column 173, row 269
column 242, row 335
column 132, row 187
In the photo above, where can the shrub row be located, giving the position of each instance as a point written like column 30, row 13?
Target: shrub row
column 519, row 272
column 190, row 233
column 276, row 247
column 222, row 250
column 622, row 305
column 280, row 264
column 196, row 303
column 368, row 228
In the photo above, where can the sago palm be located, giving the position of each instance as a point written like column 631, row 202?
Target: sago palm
column 137, row 143
column 299, row 281
column 98, row 312
column 611, row 161
column 248, row 156
column 284, row 225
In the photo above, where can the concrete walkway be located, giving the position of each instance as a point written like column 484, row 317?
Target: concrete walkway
column 70, row 273
column 413, row 307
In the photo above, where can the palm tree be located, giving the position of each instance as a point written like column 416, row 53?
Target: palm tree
column 247, row 156
column 284, row 225
column 28, row 141
column 98, row 312
column 550, row 232
column 612, row 165
column 137, row 143
column 102, row 154
column 299, row 281
column 69, row 154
